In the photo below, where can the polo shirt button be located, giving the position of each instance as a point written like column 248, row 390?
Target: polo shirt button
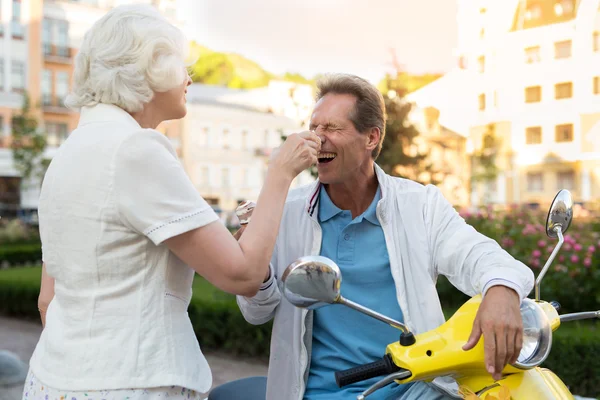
column 346, row 237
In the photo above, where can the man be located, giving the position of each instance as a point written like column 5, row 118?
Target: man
column 391, row 238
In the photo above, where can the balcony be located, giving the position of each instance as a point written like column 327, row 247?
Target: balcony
column 54, row 105
column 57, row 54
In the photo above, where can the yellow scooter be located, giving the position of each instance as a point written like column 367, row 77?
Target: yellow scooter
column 314, row 281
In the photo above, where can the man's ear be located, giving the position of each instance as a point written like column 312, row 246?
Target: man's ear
column 373, row 136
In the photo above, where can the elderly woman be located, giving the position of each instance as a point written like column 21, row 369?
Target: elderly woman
column 123, row 229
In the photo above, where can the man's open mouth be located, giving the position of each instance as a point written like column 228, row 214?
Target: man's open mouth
column 325, row 158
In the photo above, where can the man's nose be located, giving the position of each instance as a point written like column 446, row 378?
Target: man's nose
column 321, row 136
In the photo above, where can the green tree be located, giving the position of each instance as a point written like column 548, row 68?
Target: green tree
column 213, row 69
column 28, row 143
column 400, row 155
column 484, row 160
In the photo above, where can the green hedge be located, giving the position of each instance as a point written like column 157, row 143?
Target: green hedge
column 219, row 326
column 20, row 253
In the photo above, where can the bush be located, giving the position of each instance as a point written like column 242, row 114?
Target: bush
column 220, row 326
column 18, row 254
column 16, row 231
column 574, row 278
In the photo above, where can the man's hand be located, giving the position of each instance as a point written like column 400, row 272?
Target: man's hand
column 238, row 234
column 499, row 320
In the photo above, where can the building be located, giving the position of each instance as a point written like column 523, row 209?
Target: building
column 227, row 138
column 529, row 72
column 40, row 39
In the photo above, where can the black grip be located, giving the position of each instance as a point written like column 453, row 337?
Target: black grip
column 385, row 366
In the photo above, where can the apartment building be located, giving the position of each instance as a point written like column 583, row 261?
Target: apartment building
column 535, row 71
column 40, row 39
column 528, row 73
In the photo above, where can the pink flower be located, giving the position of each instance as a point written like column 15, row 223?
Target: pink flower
column 587, row 262
column 549, row 249
column 536, row 254
column 574, row 259
column 591, row 249
column 567, row 246
column 561, row 258
column 541, row 243
column 577, row 247
column 535, row 263
column 520, row 222
column 507, row 242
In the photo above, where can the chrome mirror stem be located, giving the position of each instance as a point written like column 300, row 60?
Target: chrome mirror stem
column 538, row 281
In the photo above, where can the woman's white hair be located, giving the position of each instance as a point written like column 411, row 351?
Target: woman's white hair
column 126, row 56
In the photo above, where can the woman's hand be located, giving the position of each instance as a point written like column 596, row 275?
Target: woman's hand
column 297, row 153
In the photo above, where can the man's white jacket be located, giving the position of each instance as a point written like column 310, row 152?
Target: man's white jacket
column 424, row 236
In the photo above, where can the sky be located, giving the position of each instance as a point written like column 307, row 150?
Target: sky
column 319, row 36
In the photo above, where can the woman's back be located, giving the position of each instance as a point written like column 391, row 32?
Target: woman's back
column 120, row 305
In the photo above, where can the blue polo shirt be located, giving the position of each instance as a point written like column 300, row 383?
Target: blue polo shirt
column 344, row 338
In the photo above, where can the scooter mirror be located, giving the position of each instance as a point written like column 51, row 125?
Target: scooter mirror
column 311, row 282
column 560, row 213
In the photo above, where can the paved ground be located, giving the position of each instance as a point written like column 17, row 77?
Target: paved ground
column 20, row 337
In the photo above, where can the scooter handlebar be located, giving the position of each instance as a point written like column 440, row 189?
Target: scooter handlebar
column 385, row 366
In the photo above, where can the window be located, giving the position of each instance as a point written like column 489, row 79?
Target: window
column 1, row 73
column 46, row 87
column 205, row 176
column 562, row 49
column 17, row 73
column 533, row 135
column 62, row 39
column 62, row 87
column 535, row 182
column 597, row 85
column 246, row 178
column 56, row 133
column 596, row 41
column 244, row 140
column 564, row 133
column 563, row 90
column 225, row 179
column 204, row 138
column 225, row 139
column 563, row 7
column 532, row 55
column 481, row 64
column 565, row 180
column 533, row 94
column 16, row 26
column 47, row 37
column 482, row 102
column 533, row 12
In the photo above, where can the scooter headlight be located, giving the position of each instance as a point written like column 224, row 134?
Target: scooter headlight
column 537, row 336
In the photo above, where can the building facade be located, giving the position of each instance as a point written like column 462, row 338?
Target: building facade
column 39, row 40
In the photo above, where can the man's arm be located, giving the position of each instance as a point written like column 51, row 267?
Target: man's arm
column 259, row 309
column 476, row 264
column 471, row 261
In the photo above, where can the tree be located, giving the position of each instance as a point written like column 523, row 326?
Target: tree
column 400, row 154
column 484, row 160
column 28, row 144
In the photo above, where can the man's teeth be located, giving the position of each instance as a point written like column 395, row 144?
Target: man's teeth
column 327, row 155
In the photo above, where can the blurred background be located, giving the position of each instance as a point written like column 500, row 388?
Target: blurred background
column 497, row 102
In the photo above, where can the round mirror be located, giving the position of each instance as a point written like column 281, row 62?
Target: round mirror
column 560, row 214
column 311, row 282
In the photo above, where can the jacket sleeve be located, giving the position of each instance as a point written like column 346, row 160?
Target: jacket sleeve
column 471, row 261
column 261, row 308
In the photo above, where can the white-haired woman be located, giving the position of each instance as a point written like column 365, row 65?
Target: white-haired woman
column 123, row 229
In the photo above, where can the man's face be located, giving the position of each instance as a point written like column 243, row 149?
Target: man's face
column 344, row 149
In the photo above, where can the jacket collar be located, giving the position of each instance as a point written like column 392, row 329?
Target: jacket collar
column 313, row 199
column 106, row 113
